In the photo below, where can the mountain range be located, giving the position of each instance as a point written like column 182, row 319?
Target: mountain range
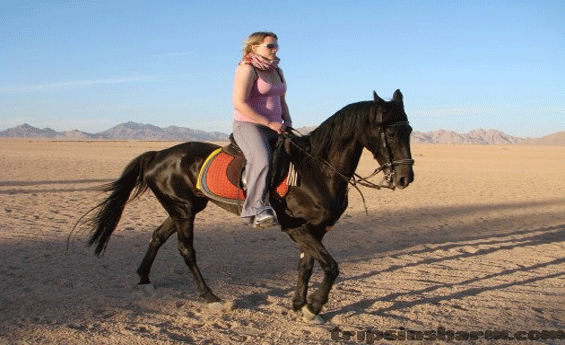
column 137, row 131
column 125, row 131
column 477, row 136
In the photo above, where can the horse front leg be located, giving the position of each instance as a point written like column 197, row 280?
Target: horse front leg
column 313, row 249
column 305, row 268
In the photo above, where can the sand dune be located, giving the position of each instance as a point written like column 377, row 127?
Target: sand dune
column 477, row 243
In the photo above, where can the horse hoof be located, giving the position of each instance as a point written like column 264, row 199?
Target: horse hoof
column 220, row 306
column 147, row 289
column 311, row 318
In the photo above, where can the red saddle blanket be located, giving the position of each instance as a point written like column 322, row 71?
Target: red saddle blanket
column 220, row 178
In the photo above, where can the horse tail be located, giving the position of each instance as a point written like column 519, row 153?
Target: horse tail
column 110, row 210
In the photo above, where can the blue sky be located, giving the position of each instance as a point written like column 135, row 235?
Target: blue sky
column 91, row 65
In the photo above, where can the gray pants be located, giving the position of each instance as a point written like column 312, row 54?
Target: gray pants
column 253, row 139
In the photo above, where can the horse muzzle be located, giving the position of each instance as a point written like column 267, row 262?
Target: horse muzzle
column 400, row 174
column 403, row 182
column 402, row 177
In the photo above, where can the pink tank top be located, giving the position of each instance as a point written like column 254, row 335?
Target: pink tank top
column 265, row 99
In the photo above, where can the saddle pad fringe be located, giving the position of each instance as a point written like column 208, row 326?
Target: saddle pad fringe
column 292, row 179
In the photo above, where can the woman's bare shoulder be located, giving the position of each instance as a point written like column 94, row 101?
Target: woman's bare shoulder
column 244, row 68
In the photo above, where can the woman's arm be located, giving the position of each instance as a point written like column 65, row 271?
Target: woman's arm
column 285, row 112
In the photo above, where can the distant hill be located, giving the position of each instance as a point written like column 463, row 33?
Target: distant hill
column 124, row 131
column 27, row 131
column 556, row 139
column 478, row 136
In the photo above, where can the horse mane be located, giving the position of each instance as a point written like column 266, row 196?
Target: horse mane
column 342, row 127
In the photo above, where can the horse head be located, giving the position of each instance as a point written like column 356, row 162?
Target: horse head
column 387, row 136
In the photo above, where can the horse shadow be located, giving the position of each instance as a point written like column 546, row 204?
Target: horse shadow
column 550, row 235
column 556, row 234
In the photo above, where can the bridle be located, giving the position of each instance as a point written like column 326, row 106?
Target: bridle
column 388, row 167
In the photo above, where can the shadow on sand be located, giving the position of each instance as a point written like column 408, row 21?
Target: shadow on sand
column 271, row 256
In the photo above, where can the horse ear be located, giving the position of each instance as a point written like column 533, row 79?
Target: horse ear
column 397, row 97
column 378, row 102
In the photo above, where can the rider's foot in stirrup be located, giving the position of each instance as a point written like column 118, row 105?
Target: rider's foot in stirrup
column 266, row 217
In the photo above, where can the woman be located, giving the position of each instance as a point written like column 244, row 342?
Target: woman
column 261, row 113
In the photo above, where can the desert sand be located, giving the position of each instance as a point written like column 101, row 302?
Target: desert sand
column 476, row 243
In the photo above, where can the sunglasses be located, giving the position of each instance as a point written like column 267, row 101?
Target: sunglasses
column 269, row 46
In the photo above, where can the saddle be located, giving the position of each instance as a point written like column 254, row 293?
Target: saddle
column 221, row 176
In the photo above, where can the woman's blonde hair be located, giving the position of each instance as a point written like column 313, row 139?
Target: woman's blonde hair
column 256, row 38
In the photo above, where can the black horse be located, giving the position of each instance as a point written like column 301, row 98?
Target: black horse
column 325, row 160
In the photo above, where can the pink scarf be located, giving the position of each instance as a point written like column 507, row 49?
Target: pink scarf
column 260, row 62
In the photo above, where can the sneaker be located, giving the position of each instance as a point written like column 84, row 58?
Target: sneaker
column 265, row 218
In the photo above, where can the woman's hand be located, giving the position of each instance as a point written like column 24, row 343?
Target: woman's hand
column 276, row 126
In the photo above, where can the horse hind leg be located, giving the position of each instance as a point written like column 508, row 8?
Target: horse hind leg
column 160, row 236
column 185, row 231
